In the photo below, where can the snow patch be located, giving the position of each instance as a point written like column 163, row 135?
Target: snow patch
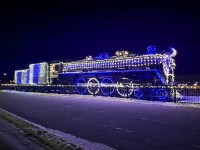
column 190, row 101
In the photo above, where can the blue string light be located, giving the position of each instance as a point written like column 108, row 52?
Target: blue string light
column 79, row 88
column 161, row 94
column 118, row 71
column 19, row 77
column 36, row 73
column 122, row 62
column 108, row 89
column 151, row 50
column 138, row 93
column 102, row 56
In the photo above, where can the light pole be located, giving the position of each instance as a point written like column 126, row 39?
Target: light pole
column 5, row 74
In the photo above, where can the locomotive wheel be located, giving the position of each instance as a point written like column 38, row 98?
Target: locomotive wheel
column 81, row 86
column 123, row 88
column 93, row 86
column 107, row 86
column 138, row 93
column 46, row 90
column 161, row 94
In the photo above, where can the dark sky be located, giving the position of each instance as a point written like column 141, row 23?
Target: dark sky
column 36, row 32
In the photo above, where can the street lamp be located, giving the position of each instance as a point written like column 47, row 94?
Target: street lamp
column 5, row 74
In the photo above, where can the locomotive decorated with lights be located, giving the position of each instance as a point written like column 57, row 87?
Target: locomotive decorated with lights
column 104, row 74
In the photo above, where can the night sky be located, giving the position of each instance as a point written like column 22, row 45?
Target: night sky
column 38, row 32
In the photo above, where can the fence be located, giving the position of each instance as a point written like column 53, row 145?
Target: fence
column 151, row 93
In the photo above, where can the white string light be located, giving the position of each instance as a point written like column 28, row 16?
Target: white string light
column 43, row 73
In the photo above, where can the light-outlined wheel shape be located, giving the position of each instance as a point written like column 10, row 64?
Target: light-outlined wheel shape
column 107, row 86
column 46, row 90
column 93, row 86
column 123, row 87
column 138, row 93
column 161, row 94
column 81, row 86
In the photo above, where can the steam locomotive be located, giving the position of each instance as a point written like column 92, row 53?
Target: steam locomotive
column 105, row 74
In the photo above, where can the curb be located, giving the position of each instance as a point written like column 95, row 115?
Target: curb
column 40, row 134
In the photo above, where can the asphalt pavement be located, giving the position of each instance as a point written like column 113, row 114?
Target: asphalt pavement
column 12, row 139
column 121, row 125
